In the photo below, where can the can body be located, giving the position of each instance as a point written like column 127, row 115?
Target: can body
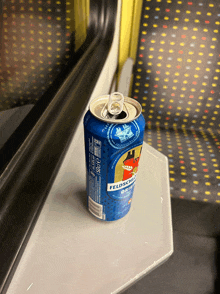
column 112, row 156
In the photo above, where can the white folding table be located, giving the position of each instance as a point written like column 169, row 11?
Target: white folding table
column 70, row 251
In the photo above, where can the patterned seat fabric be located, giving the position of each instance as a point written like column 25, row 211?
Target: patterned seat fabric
column 176, row 79
column 35, row 45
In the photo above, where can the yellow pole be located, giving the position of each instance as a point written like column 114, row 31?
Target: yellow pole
column 125, row 31
column 129, row 31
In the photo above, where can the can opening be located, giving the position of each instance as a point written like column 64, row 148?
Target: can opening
column 107, row 115
column 121, row 115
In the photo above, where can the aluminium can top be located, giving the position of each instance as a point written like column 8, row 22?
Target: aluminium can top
column 105, row 109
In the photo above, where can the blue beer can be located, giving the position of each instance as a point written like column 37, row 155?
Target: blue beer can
column 114, row 132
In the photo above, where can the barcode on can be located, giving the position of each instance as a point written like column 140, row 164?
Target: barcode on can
column 95, row 208
column 97, row 148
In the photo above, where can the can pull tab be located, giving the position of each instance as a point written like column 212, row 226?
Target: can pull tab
column 115, row 103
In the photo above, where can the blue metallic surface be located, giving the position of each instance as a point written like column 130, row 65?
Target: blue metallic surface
column 109, row 147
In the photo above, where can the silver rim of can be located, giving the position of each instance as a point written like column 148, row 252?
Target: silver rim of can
column 131, row 110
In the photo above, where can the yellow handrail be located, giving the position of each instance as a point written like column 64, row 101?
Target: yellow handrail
column 129, row 31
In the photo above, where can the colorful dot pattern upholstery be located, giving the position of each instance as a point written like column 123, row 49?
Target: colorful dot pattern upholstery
column 176, row 79
column 35, row 44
